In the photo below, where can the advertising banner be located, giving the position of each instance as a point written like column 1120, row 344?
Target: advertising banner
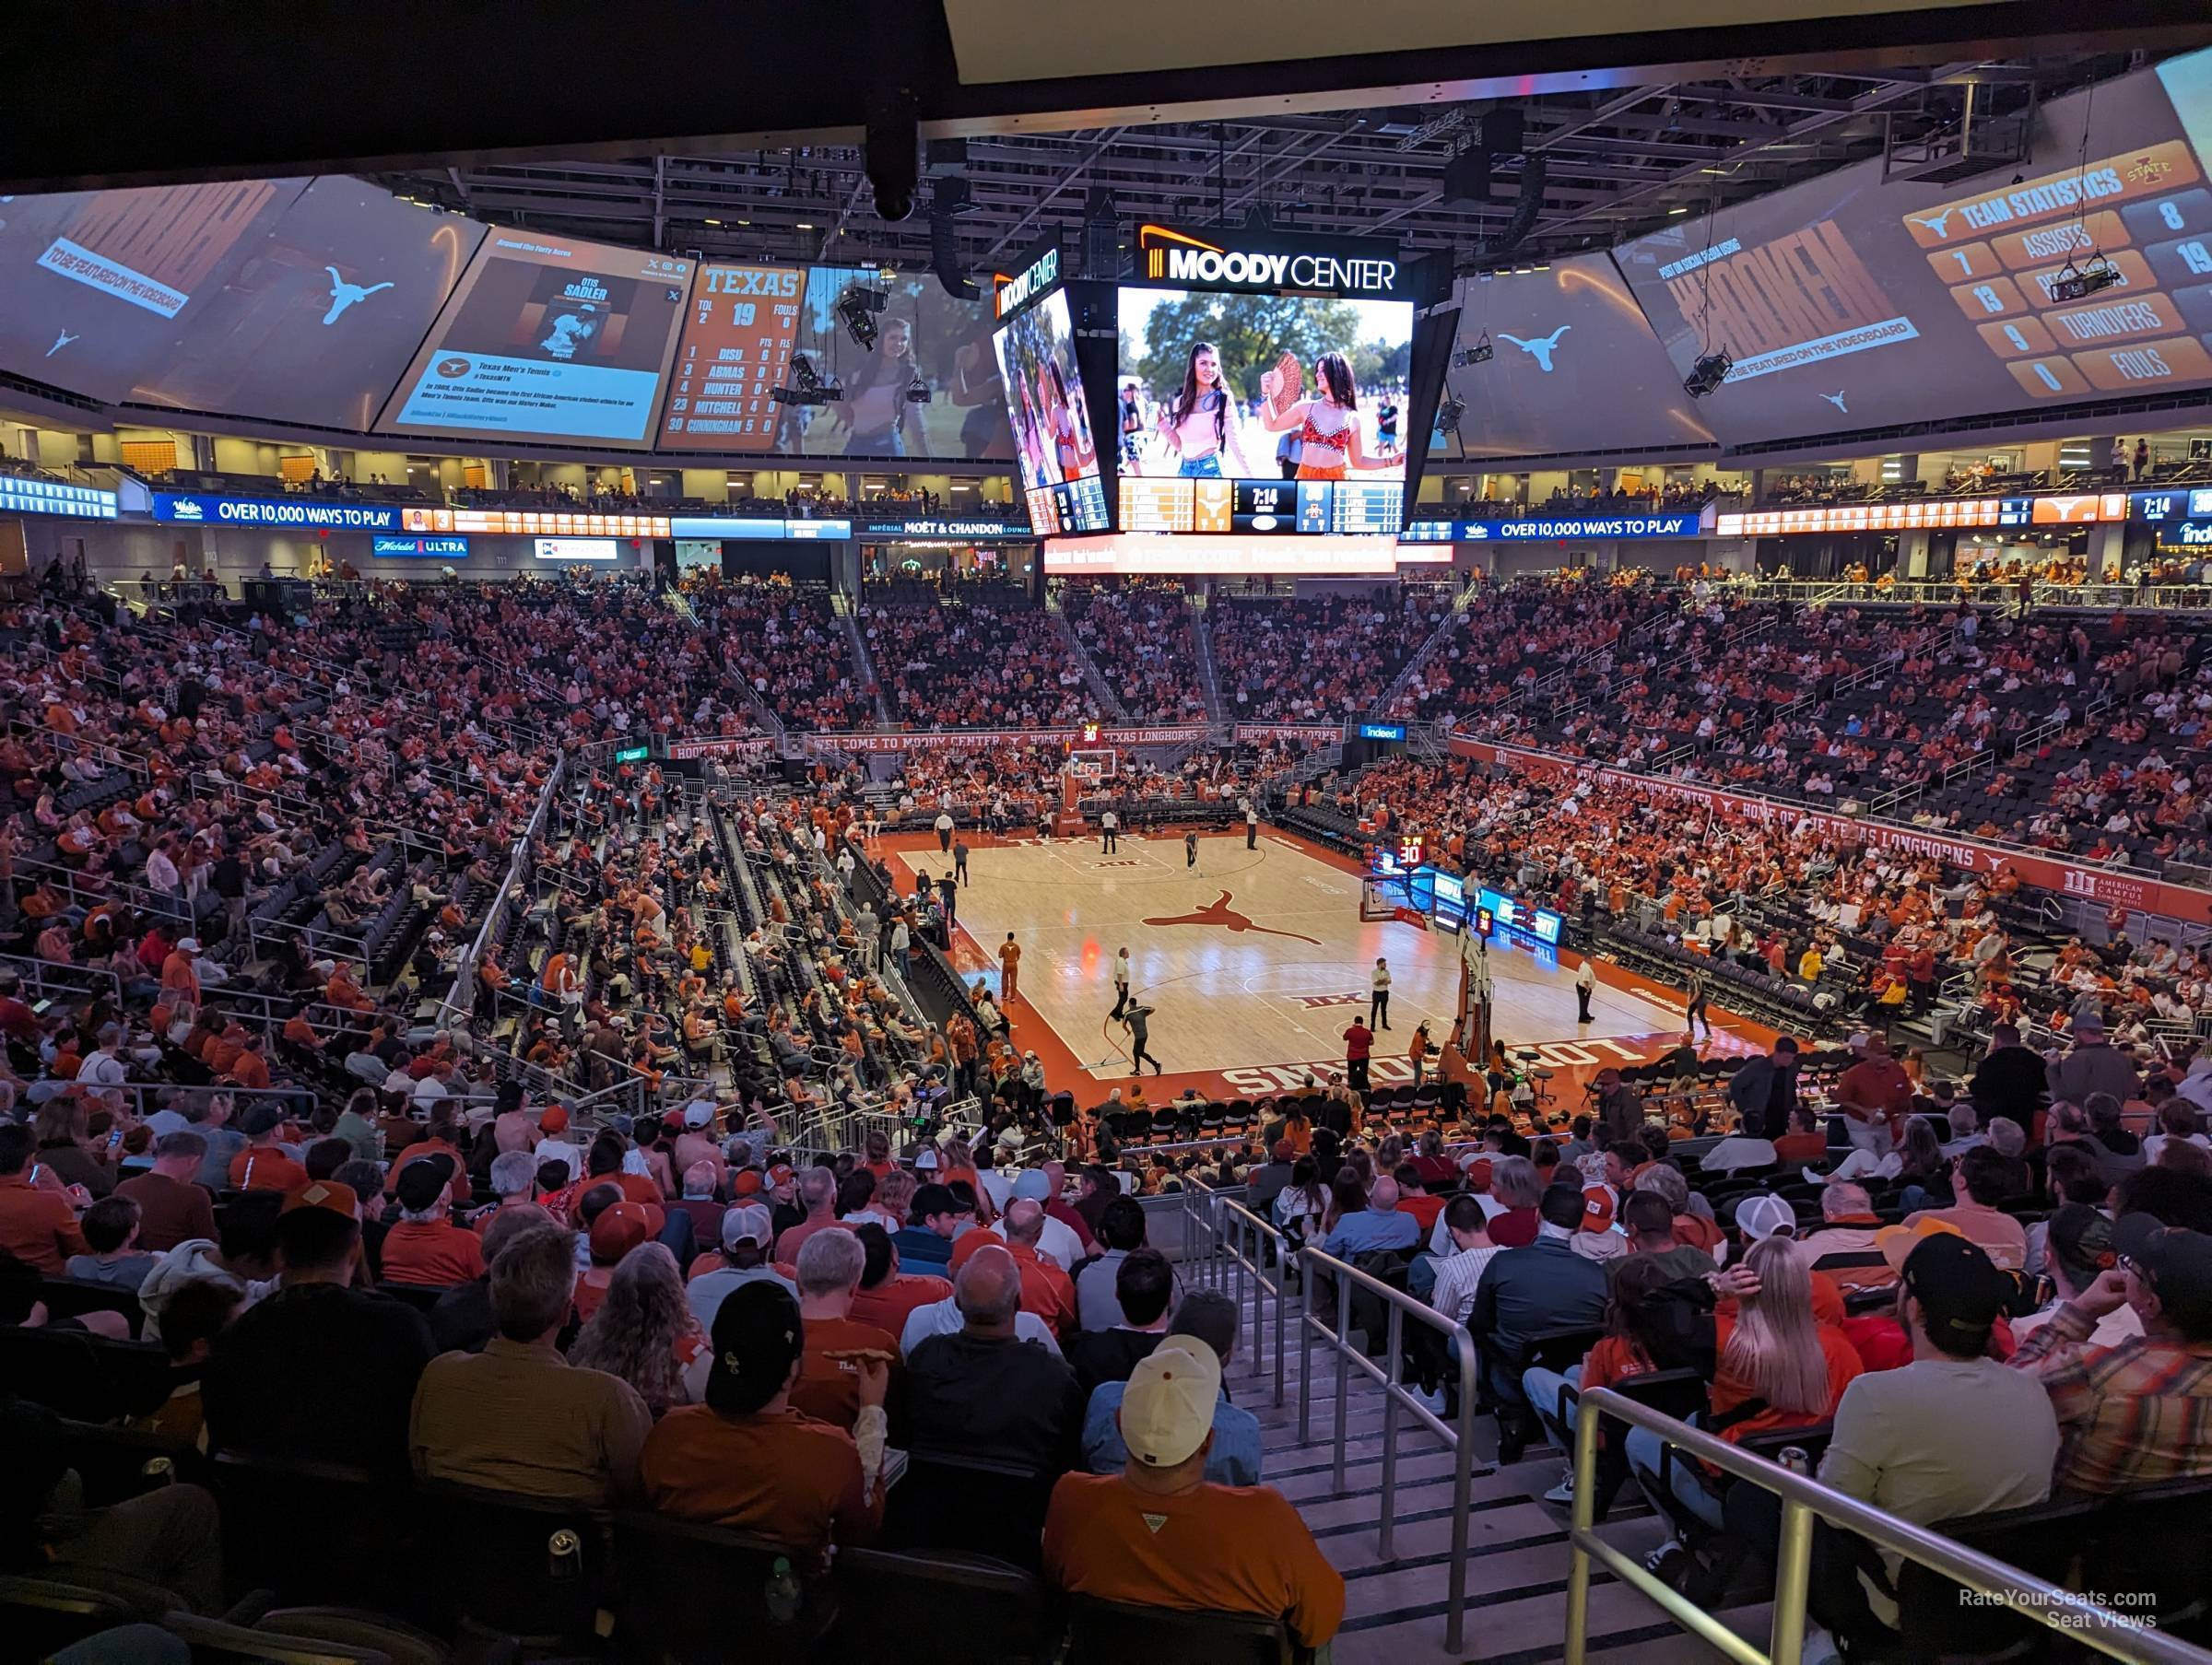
column 1539, row 530
column 385, row 546
column 321, row 514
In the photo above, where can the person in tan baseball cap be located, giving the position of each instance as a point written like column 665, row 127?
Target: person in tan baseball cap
column 1160, row 1534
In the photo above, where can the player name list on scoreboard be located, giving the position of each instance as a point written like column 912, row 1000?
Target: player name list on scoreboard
column 736, row 350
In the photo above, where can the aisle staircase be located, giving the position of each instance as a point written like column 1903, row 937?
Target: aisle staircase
column 1209, row 679
column 1447, row 628
column 1101, row 691
column 862, row 667
column 1397, row 1598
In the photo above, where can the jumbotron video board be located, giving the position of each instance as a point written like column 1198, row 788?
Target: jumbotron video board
column 1062, row 480
column 1262, row 392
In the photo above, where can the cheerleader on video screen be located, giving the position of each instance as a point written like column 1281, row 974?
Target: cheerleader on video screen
column 1327, row 425
column 1069, row 422
column 1201, row 423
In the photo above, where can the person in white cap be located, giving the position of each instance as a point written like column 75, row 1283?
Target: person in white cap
column 748, row 1232
column 1160, row 1534
column 1762, row 1216
column 181, row 971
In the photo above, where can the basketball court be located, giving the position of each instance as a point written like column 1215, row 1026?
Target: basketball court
column 1254, row 963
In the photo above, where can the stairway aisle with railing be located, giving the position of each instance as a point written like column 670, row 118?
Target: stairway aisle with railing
column 1444, row 631
column 1093, row 678
column 862, row 667
column 1209, row 679
column 1335, row 1446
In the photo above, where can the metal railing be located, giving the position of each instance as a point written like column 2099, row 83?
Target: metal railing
column 147, row 1095
column 48, row 980
column 154, row 904
column 1228, row 1247
column 1397, row 1402
column 2112, row 1632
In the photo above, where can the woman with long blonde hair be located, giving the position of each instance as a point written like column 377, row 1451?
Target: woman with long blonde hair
column 1778, row 1366
column 1772, row 1355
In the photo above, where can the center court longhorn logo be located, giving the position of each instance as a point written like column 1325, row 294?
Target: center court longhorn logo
column 344, row 295
column 1540, row 350
column 1218, row 912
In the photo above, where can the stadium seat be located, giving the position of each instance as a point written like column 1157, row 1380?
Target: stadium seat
column 532, row 1570
column 1006, row 1612
column 314, row 1636
column 1114, row 1633
column 366, row 1552
column 663, row 1568
column 41, row 1615
column 949, row 1502
column 73, row 1297
column 114, row 1463
column 84, row 1376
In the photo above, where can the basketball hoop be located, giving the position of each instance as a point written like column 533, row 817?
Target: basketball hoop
column 1092, row 763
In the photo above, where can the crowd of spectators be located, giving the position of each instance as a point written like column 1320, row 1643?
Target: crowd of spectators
column 975, row 665
column 1139, row 638
column 1318, row 659
column 788, row 646
column 351, row 1237
column 2061, row 734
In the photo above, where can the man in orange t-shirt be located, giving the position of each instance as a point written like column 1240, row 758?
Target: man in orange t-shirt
column 830, row 1268
column 37, row 1225
column 886, row 1297
column 179, row 975
column 1047, row 1291
column 425, row 1247
column 750, row 1461
column 1876, row 1094
column 263, row 1165
column 1158, row 1535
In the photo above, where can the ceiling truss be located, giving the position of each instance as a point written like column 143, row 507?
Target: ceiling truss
column 1617, row 163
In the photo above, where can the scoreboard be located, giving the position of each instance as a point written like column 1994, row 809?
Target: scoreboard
column 735, row 349
column 1172, row 504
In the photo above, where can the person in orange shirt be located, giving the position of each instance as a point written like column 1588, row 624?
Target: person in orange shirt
column 1158, row 1534
column 886, row 1297
column 830, row 1269
column 301, row 1033
column 180, row 976
column 341, row 990
column 37, row 1224
column 221, row 1053
column 250, row 1068
column 263, row 1165
column 748, row 1459
column 1047, row 1291
column 425, row 1247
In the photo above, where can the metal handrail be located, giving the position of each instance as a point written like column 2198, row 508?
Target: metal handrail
column 1244, row 1245
column 1396, row 1398
column 145, row 1094
column 1803, row 1498
column 40, row 974
column 155, row 904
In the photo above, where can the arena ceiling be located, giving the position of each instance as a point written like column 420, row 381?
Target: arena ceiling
column 1616, row 162
column 737, row 130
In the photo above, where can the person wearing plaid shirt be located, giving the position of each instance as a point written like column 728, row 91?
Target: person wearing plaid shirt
column 2139, row 1410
